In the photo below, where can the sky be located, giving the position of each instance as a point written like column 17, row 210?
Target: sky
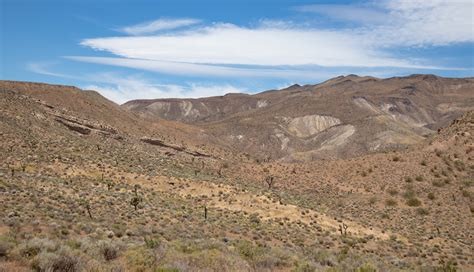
column 145, row 49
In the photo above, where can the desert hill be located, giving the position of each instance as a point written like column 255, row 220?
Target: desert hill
column 343, row 117
column 87, row 185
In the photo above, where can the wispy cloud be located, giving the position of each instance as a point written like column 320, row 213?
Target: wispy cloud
column 203, row 70
column 405, row 23
column 158, row 25
column 122, row 88
column 354, row 13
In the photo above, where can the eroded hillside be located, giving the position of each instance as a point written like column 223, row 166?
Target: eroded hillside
column 344, row 117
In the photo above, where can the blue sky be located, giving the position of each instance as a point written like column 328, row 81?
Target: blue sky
column 153, row 49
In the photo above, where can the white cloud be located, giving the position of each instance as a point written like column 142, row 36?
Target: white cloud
column 158, row 25
column 230, row 44
column 121, row 90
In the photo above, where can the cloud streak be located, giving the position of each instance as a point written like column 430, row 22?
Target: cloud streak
column 158, row 25
column 121, row 89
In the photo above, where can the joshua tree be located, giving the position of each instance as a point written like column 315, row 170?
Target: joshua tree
column 343, row 229
column 270, row 180
column 135, row 202
column 135, row 189
column 109, row 184
column 87, row 206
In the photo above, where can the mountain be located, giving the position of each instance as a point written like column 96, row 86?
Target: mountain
column 343, row 117
column 87, row 185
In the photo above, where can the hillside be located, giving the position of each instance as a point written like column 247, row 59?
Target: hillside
column 343, row 117
column 86, row 185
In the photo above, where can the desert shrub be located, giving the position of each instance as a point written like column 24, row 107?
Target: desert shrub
column 366, row 268
column 62, row 260
column 419, row 178
column 248, row 250
column 466, row 193
column 108, row 250
column 408, row 180
column 431, row 196
column 393, row 192
column 423, row 163
column 438, row 183
column 152, row 242
column 409, row 193
column 304, row 267
column 391, row 202
column 396, row 158
column 422, row 211
column 6, row 245
column 413, row 202
column 459, row 165
column 33, row 247
column 140, row 259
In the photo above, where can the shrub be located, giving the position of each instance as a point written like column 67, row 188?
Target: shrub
column 396, row 158
column 108, row 250
column 431, row 196
column 391, row 202
column 393, row 192
column 6, row 244
column 62, row 260
column 419, row 178
column 408, row 180
column 422, row 211
column 413, row 202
